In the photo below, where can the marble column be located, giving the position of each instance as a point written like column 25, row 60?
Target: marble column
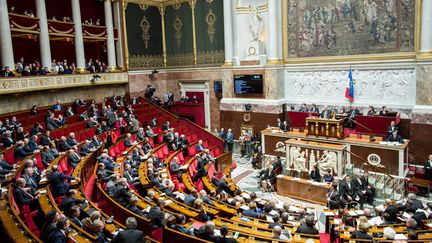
column 235, row 58
column 228, row 34
column 79, row 42
column 7, row 57
column 426, row 27
column 272, row 55
column 44, row 40
column 110, row 34
column 118, row 25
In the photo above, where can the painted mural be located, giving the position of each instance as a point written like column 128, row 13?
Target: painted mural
column 349, row 27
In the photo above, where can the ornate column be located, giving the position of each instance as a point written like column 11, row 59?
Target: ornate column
column 110, row 35
column 228, row 34
column 79, row 42
column 192, row 5
column 7, row 57
column 164, row 51
column 44, row 41
column 235, row 58
column 272, row 55
column 118, row 25
column 426, row 29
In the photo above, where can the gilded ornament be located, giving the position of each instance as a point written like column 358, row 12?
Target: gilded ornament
column 178, row 25
column 143, row 6
column 211, row 20
column 145, row 27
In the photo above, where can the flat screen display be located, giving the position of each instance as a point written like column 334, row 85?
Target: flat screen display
column 217, row 86
column 248, row 84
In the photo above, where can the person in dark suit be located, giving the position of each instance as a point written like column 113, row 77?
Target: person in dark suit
column 63, row 144
column 46, row 138
column 122, row 194
column 91, row 122
column 315, row 174
column 128, row 140
column 308, row 227
column 201, row 170
column 31, row 181
column 5, row 167
column 95, row 142
column 428, row 168
column 334, row 197
column 156, row 214
column 314, row 109
column 285, row 126
column 347, row 190
column 7, row 72
column 278, row 123
column 73, row 158
column 8, row 140
column 59, row 235
column 206, row 232
column 251, row 212
column 149, row 132
column 140, row 134
column 153, row 122
column 133, row 207
column 190, row 198
column 391, row 210
column 362, row 232
column 20, row 153
column 392, row 128
column 200, row 147
column 384, row 111
column 69, row 112
column 221, row 133
column 51, row 124
column 369, row 188
column 70, row 200
column 395, row 137
column 179, row 225
column 166, row 126
column 24, row 196
column 131, row 234
column 85, row 148
column 57, row 106
column 57, row 181
column 72, row 140
column 325, row 113
column 223, row 237
column 74, row 217
column 229, row 140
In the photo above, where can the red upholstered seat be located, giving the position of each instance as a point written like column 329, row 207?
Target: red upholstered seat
column 157, row 234
column 9, row 156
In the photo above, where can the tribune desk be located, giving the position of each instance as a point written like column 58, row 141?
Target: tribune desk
column 302, row 189
column 389, row 158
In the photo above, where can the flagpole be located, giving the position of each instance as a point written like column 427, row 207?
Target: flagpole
column 350, row 101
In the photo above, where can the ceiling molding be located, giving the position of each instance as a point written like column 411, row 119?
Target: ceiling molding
column 157, row 3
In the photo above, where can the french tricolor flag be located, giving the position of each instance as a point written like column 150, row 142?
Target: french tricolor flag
column 349, row 92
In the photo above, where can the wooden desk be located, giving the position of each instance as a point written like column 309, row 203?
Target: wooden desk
column 302, row 189
column 392, row 157
column 329, row 128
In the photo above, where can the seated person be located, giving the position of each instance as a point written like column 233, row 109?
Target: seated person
column 133, row 206
column 71, row 140
column 131, row 234
column 157, row 215
column 251, row 212
column 395, row 137
column 122, row 193
column 384, row 111
column 70, row 200
column 315, row 174
column 24, row 196
column 362, row 232
column 179, row 225
column 328, row 177
column 308, row 227
column 277, row 234
column 200, row 147
column 392, row 128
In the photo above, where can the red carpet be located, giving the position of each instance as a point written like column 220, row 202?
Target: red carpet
column 324, row 238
